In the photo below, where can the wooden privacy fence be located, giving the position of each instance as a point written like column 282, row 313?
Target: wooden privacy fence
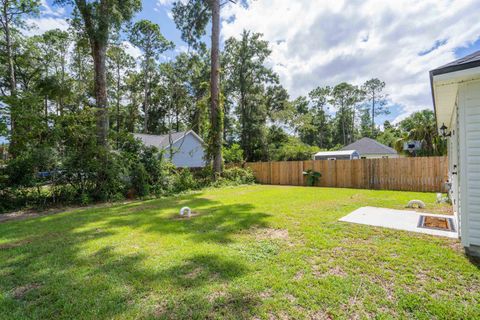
column 424, row 174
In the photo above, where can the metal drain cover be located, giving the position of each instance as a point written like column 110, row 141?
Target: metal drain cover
column 436, row 223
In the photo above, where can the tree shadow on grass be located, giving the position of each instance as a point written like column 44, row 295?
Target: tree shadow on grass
column 46, row 272
column 202, row 271
column 106, row 284
column 212, row 222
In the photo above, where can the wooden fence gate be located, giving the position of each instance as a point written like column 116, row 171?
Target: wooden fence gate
column 424, row 174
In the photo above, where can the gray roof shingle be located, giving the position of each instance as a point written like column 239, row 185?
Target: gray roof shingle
column 369, row 146
column 467, row 62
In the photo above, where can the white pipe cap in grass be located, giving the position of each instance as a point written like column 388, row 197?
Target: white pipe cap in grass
column 187, row 209
column 419, row 203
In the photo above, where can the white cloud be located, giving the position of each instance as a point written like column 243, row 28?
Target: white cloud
column 165, row 2
column 40, row 25
column 167, row 6
column 135, row 52
column 48, row 10
column 181, row 49
column 317, row 42
column 169, row 2
column 49, row 18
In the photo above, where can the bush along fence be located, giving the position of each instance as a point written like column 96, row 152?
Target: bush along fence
column 423, row 174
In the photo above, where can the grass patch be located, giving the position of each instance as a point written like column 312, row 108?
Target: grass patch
column 250, row 252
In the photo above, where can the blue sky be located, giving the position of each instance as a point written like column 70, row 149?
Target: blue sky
column 317, row 43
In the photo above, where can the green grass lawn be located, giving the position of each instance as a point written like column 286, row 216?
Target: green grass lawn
column 255, row 252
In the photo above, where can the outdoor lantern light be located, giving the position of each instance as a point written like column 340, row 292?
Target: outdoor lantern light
column 443, row 131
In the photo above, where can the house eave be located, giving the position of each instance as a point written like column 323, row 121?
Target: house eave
column 186, row 134
column 444, row 83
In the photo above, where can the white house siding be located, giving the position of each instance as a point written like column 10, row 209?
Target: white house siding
column 188, row 152
column 469, row 100
column 379, row 156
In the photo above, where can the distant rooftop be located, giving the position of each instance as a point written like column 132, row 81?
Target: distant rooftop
column 369, row 146
column 467, row 62
column 335, row 153
column 162, row 140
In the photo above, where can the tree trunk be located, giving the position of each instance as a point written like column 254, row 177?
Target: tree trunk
column 132, row 118
column 215, row 112
column 373, row 114
column 61, row 102
column 45, row 102
column 99, row 59
column 145, row 101
column 118, row 103
column 196, row 118
column 243, row 120
column 80, row 75
column 12, row 80
column 352, row 136
column 322, row 129
column 177, row 121
column 11, row 67
column 343, row 115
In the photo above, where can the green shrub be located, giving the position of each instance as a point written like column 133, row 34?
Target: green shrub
column 233, row 154
column 239, row 175
column 85, row 199
column 24, row 198
column 139, row 182
column 83, row 173
column 312, row 177
column 110, row 179
column 294, row 151
column 10, row 200
column 203, row 176
column 184, row 180
column 66, row 194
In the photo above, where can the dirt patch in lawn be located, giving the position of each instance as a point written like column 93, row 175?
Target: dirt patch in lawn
column 185, row 217
column 320, row 315
column 265, row 294
column 21, row 291
column 15, row 244
column 334, row 271
column 21, row 215
column 218, row 294
column 195, row 273
column 447, row 210
column 270, row 234
column 299, row 276
column 29, row 214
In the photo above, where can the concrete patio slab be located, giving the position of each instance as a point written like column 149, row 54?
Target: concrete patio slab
column 397, row 219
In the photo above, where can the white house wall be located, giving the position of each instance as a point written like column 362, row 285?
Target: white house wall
column 188, row 152
column 469, row 111
column 379, row 156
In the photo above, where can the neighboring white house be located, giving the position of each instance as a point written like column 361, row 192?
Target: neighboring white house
column 371, row 149
column 336, row 155
column 187, row 147
column 456, row 98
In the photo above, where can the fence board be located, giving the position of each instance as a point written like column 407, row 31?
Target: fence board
column 426, row 174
